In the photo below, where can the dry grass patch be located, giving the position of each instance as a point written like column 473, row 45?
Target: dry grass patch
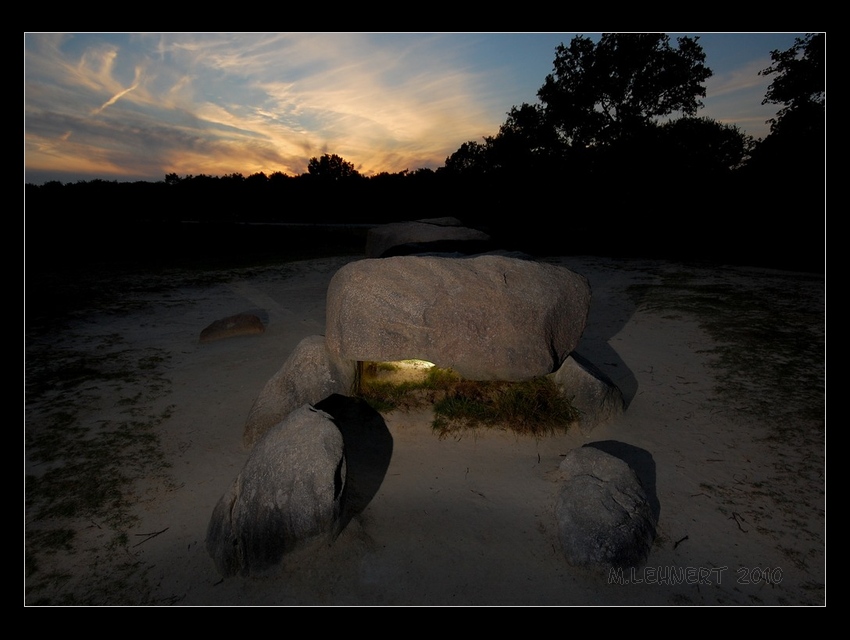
column 536, row 407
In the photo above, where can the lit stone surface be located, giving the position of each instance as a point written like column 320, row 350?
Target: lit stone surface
column 489, row 317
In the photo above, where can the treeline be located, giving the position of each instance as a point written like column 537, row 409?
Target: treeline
column 592, row 168
column 236, row 198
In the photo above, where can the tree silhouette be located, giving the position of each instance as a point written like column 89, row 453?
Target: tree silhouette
column 601, row 92
column 526, row 143
column 703, row 146
column 794, row 152
column 331, row 167
column 788, row 167
column 594, row 149
column 469, row 159
column 799, row 85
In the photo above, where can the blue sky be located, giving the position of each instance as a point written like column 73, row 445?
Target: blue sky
column 136, row 106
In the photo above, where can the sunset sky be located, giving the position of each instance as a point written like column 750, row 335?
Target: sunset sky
column 138, row 106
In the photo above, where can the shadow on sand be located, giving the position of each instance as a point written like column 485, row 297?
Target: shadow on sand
column 613, row 304
column 368, row 449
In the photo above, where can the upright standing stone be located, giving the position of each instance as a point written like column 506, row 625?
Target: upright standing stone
column 604, row 518
column 287, row 496
column 308, row 376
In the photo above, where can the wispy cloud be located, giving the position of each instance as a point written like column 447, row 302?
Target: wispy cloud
column 142, row 105
column 735, row 97
column 744, row 78
column 251, row 102
column 120, row 94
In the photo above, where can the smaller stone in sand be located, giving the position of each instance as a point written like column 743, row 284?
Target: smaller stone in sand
column 242, row 324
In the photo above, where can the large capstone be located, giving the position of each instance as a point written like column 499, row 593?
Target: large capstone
column 489, row 317
column 287, row 497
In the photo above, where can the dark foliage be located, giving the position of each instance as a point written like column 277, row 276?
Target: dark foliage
column 591, row 169
column 600, row 93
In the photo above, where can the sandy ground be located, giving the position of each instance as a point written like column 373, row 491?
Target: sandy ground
column 469, row 520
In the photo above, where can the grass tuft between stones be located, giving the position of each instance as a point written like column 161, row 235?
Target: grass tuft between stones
column 536, row 407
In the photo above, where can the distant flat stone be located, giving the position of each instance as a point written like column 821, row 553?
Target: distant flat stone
column 420, row 236
column 242, row 324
